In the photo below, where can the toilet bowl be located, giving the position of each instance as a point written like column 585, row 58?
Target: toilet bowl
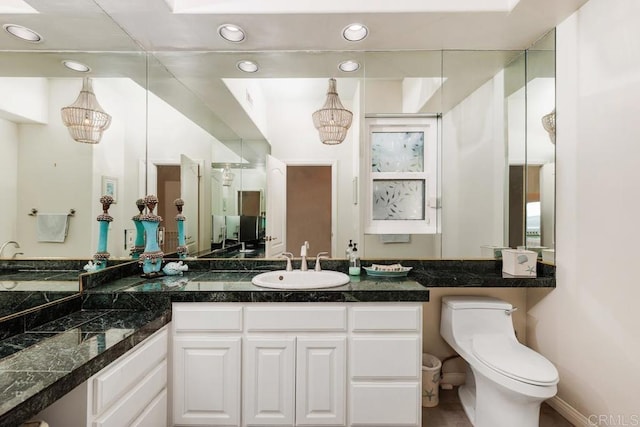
column 506, row 381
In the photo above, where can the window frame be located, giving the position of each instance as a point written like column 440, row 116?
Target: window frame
column 429, row 127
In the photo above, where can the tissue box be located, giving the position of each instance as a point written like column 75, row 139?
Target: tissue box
column 494, row 252
column 519, row 263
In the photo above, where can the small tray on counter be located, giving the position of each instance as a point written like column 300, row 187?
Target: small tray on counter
column 395, row 270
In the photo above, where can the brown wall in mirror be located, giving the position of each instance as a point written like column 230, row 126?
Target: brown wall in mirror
column 309, row 209
column 168, row 191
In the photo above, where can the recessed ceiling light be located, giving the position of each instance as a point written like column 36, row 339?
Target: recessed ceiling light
column 232, row 33
column 349, row 66
column 22, row 33
column 355, row 32
column 76, row 66
column 247, row 66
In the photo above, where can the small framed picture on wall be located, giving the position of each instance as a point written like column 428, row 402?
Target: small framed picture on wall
column 110, row 187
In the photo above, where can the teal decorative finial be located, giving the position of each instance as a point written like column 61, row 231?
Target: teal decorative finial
column 138, row 246
column 101, row 256
column 151, row 258
column 182, row 248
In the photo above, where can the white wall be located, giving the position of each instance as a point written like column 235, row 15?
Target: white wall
column 473, row 172
column 57, row 174
column 118, row 155
column 537, row 149
column 589, row 325
column 170, row 134
column 29, row 106
column 56, row 182
column 8, row 182
column 24, row 99
column 294, row 138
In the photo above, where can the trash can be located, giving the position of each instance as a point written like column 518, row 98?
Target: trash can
column 431, row 366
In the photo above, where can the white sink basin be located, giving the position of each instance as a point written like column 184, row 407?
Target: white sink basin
column 298, row 279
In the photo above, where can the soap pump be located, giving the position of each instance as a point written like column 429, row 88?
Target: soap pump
column 349, row 249
column 354, row 261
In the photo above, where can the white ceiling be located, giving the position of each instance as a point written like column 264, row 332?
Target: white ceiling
column 339, row 6
column 306, row 42
column 412, row 24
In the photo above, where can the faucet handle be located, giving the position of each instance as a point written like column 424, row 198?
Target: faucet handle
column 318, row 257
column 289, row 257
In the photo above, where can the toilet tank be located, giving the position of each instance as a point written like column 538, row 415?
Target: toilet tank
column 465, row 316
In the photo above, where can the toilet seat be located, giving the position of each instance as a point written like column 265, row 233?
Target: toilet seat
column 512, row 359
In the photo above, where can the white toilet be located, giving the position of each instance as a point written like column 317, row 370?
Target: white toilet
column 506, row 381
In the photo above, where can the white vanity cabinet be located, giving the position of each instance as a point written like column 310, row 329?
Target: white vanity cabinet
column 297, row 364
column 131, row 391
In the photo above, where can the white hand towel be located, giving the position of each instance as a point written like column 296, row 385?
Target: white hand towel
column 52, row 227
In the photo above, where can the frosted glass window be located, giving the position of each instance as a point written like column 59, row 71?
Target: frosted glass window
column 400, row 170
column 397, row 151
column 398, row 199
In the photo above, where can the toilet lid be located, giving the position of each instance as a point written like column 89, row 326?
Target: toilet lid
column 509, row 357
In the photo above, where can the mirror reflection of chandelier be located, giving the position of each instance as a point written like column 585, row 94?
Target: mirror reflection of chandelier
column 227, row 176
column 332, row 120
column 549, row 124
column 85, row 118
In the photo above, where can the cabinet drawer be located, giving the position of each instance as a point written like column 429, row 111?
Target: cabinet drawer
column 112, row 383
column 377, row 318
column 191, row 317
column 300, row 318
column 385, row 358
column 385, row 404
column 155, row 415
column 126, row 410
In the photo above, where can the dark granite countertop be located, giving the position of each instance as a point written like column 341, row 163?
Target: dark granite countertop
column 133, row 292
column 45, row 362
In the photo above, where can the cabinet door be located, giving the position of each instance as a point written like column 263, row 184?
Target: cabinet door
column 268, row 381
column 206, row 380
column 321, row 381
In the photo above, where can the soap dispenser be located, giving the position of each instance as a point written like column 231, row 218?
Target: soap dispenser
column 354, row 261
column 349, row 249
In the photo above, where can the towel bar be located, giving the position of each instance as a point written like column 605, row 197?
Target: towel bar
column 34, row 212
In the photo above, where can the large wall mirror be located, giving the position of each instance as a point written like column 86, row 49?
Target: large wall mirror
column 204, row 131
column 530, row 104
column 258, row 124
column 193, row 125
column 44, row 171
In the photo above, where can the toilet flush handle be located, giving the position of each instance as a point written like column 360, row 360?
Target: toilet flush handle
column 510, row 311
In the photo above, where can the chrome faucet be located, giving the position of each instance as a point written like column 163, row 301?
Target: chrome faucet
column 303, row 255
column 289, row 257
column 4, row 245
column 318, row 257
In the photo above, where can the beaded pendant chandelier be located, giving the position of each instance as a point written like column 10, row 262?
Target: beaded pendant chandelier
column 227, row 176
column 85, row 118
column 332, row 120
column 549, row 124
